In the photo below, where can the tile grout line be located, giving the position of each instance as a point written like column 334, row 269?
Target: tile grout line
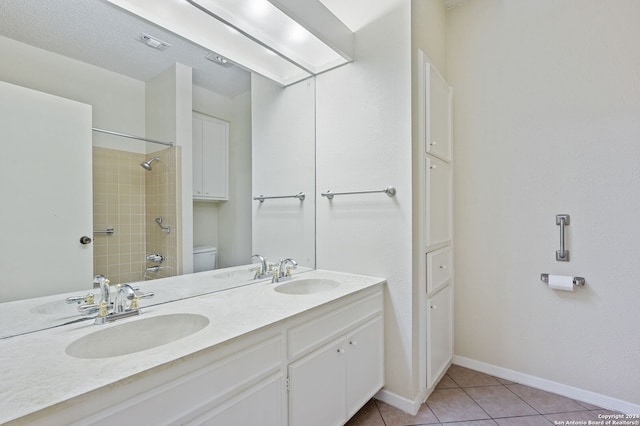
column 476, row 402
column 520, row 398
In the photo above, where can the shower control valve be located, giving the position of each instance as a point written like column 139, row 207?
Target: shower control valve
column 155, row 257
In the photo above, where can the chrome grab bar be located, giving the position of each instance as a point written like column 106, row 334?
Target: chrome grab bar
column 562, row 255
column 300, row 196
column 389, row 190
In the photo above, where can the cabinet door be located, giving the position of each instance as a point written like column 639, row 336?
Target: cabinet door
column 210, row 158
column 438, row 201
column 365, row 364
column 439, row 334
column 438, row 108
column 215, row 145
column 197, row 156
column 317, row 387
column 261, row 405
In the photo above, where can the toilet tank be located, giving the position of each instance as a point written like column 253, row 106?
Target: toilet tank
column 204, row 258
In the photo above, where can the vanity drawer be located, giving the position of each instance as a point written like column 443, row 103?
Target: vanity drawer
column 308, row 336
column 438, row 269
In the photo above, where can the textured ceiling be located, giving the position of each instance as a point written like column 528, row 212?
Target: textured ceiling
column 98, row 33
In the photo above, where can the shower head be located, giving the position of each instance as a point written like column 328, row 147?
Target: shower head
column 147, row 164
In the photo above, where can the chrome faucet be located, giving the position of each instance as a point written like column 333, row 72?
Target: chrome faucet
column 86, row 303
column 284, row 269
column 124, row 293
column 103, row 283
column 263, row 265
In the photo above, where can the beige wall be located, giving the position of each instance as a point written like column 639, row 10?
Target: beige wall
column 547, row 100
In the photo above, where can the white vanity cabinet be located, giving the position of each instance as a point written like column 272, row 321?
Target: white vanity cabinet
column 241, row 384
column 318, row 366
column 210, row 158
column 332, row 382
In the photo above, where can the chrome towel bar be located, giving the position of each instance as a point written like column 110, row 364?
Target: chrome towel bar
column 389, row 190
column 577, row 281
column 261, row 197
column 108, row 231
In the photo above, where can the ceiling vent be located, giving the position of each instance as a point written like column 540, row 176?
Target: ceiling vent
column 152, row 41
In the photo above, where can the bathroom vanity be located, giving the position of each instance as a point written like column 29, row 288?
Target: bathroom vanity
column 306, row 351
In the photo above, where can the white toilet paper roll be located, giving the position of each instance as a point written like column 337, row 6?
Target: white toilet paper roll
column 561, row 282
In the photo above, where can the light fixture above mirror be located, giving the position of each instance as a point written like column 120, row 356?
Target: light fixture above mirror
column 284, row 40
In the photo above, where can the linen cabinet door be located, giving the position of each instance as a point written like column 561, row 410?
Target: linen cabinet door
column 439, row 334
column 317, row 387
column 438, row 107
column 438, row 202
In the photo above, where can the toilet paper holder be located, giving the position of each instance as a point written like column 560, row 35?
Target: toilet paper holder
column 577, row 281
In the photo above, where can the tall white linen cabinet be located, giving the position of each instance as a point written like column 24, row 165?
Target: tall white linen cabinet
column 436, row 228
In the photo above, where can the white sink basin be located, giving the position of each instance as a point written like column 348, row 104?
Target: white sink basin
column 137, row 335
column 307, row 286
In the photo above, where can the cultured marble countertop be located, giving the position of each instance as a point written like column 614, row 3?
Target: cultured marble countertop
column 25, row 316
column 37, row 373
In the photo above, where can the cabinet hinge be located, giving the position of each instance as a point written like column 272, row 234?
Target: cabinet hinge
column 286, row 384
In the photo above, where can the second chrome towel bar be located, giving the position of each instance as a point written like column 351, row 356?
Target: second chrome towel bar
column 389, row 190
column 300, row 196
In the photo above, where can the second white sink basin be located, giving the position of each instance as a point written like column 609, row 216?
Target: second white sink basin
column 307, row 286
column 137, row 335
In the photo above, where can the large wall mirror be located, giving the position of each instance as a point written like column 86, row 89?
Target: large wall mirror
column 92, row 53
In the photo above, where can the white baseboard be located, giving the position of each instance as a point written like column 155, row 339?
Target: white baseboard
column 399, row 402
column 549, row 386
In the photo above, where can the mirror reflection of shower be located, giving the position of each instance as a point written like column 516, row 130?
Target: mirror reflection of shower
column 129, row 199
column 147, row 164
column 159, row 221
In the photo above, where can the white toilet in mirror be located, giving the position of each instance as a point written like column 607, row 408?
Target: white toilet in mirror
column 204, row 258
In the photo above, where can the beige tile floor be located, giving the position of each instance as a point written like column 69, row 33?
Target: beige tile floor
column 467, row 397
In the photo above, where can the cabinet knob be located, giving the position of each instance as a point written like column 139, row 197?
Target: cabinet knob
column 353, row 342
column 433, row 143
column 340, row 351
column 433, row 166
column 443, row 266
column 85, row 240
column 433, row 307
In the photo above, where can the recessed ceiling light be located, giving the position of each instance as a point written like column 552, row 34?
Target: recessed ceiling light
column 152, row 41
column 220, row 60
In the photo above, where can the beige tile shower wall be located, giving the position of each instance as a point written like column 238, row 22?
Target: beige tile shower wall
column 161, row 196
column 119, row 203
